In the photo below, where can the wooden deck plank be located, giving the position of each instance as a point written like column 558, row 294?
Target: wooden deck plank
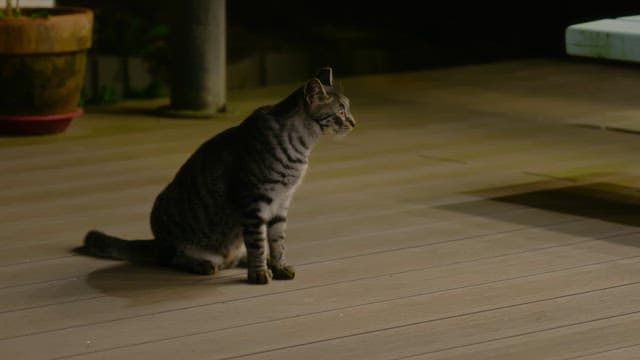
column 618, row 353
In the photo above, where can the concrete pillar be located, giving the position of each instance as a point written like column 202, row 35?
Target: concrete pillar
column 198, row 58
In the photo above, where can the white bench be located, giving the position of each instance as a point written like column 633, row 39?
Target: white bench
column 616, row 39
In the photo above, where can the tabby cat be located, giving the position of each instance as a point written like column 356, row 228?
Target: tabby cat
column 230, row 199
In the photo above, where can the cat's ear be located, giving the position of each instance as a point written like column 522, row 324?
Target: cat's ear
column 325, row 75
column 314, row 92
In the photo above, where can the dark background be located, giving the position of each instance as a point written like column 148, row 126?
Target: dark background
column 357, row 37
column 420, row 33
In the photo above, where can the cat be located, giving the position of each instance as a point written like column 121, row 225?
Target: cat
column 231, row 197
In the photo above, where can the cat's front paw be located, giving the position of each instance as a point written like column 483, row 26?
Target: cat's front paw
column 283, row 272
column 262, row 276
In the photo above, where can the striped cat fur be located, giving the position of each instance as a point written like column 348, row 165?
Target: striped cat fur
column 228, row 203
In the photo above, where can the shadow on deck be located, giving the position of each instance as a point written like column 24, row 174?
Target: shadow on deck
column 602, row 201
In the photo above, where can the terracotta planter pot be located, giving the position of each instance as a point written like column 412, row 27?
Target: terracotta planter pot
column 42, row 68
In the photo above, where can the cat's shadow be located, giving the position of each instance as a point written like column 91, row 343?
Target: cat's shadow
column 144, row 284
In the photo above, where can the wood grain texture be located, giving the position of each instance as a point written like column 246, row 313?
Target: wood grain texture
column 466, row 217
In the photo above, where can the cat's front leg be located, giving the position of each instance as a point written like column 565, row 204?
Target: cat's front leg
column 254, row 232
column 276, row 234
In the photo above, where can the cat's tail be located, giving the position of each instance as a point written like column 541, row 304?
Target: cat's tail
column 101, row 245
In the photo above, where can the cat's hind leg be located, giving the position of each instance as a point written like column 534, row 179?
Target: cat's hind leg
column 236, row 255
column 195, row 262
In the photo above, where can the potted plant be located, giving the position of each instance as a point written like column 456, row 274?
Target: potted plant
column 43, row 55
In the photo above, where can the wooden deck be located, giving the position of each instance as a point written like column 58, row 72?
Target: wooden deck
column 477, row 212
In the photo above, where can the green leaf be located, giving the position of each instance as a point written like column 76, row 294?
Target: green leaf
column 42, row 14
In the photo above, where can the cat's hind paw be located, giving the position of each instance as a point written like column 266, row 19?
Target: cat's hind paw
column 193, row 265
column 283, row 272
column 203, row 268
column 262, row 276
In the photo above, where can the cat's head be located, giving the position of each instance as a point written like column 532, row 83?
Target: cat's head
column 326, row 106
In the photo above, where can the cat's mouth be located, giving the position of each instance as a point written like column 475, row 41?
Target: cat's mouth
column 346, row 126
column 340, row 128
column 351, row 123
column 342, row 131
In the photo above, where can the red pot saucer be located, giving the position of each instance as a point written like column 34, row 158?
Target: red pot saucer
column 14, row 125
